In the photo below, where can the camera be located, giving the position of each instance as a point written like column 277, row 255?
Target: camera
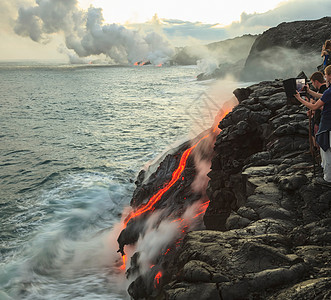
column 291, row 86
column 303, row 91
column 301, row 87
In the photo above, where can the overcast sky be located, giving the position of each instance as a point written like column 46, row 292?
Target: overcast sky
column 39, row 33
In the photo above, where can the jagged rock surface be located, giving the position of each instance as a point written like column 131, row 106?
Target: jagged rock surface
column 268, row 226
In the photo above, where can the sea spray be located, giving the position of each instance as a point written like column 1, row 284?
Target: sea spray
column 71, row 246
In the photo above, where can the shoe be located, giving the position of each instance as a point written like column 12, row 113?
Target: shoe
column 321, row 181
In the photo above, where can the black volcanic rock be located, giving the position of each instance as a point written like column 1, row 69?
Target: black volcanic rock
column 296, row 35
column 284, row 50
column 167, row 194
column 273, row 224
column 268, row 226
column 174, row 202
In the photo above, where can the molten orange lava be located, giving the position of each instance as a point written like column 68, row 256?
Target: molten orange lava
column 157, row 279
column 136, row 63
column 176, row 175
column 203, row 208
column 159, row 65
column 177, row 220
column 123, row 266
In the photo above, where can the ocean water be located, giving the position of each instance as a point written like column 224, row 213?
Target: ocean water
column 72, row 140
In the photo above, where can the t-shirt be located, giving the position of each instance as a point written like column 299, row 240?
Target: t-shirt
column 317, row 113
column 323, row 136
column 325, row 123
column 322, row 88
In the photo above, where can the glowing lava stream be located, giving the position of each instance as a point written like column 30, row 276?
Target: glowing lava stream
column 175, row 176
column 123, row 266
column 157, row 279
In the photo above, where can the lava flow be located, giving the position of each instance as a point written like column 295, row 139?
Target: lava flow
column 142, row 63
column 123, row 266
column 157, row 279
column 203, row 208
column 149, row 206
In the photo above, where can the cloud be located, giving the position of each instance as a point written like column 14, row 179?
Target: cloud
column 181, row 32
column 197, row 30
column 14, row 47
column 8, row 13
column 293, row 10
column 86, row 33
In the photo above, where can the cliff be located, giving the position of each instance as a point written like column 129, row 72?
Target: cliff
column 286, row 49
column 230, row 51
column 276, row 243
column 280, row 52
column 267, row 226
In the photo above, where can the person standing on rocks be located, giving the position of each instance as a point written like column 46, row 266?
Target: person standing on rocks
column 323, row 137
column 326, row 52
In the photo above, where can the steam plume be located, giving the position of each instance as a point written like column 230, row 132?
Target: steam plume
column 279, row 62
column 207, row 66
column 159, row 235
column 86, row 34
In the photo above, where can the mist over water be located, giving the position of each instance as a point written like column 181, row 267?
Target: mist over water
column 72, row 141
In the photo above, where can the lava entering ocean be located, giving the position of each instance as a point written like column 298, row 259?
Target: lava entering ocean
column 149, row 206
column 142, row 63
column 171, row 211
column 176, row 175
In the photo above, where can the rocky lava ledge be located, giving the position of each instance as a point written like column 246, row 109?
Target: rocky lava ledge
column 267, row 226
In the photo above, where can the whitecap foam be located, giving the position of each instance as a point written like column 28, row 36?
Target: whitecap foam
column 75, row 242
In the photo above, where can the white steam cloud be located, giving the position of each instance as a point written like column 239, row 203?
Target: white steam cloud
column 280, row 62
column 207, row 65
column 160, row 235
column 86, row 34
column 156, row 239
